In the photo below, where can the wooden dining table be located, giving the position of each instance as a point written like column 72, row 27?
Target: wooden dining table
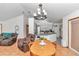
column 38, row 50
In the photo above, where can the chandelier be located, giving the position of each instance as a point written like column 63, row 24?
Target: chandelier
column 41, row 14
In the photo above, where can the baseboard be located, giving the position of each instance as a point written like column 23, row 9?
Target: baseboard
column 74, row 50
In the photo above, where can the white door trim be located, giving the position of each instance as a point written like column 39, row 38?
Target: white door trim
column 69, row 37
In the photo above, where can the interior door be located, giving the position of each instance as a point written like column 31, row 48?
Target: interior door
column 74, row 34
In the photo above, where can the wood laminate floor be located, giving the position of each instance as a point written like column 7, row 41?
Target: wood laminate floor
column 61, row 51
column 14, row 51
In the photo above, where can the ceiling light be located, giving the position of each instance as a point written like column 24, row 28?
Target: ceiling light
column 41, row 14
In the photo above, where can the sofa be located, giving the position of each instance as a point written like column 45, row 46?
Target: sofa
column 8, row 41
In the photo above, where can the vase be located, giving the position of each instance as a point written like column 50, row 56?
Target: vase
column 42, row 43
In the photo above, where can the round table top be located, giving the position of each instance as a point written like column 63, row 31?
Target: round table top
column 47, row 50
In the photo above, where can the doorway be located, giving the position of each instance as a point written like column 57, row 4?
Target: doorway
column 73, row 34
column 27, row 29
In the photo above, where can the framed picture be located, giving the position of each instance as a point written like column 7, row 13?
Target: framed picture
column 16, row 29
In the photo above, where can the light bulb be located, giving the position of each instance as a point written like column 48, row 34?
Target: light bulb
column 38, row 9
column 34, row 14
column 39, row 13
column 44, row 11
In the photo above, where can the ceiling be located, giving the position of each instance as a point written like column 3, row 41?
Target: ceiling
column 55, row 11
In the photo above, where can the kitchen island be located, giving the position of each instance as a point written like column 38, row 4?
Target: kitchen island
column 50, row 37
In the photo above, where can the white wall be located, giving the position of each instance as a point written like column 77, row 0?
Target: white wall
column 31, row 25
column 56, row 29
column 0, row 26
column 9, row 25
column 65, row 27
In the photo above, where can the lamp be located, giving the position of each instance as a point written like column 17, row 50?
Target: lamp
column 41, row 14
